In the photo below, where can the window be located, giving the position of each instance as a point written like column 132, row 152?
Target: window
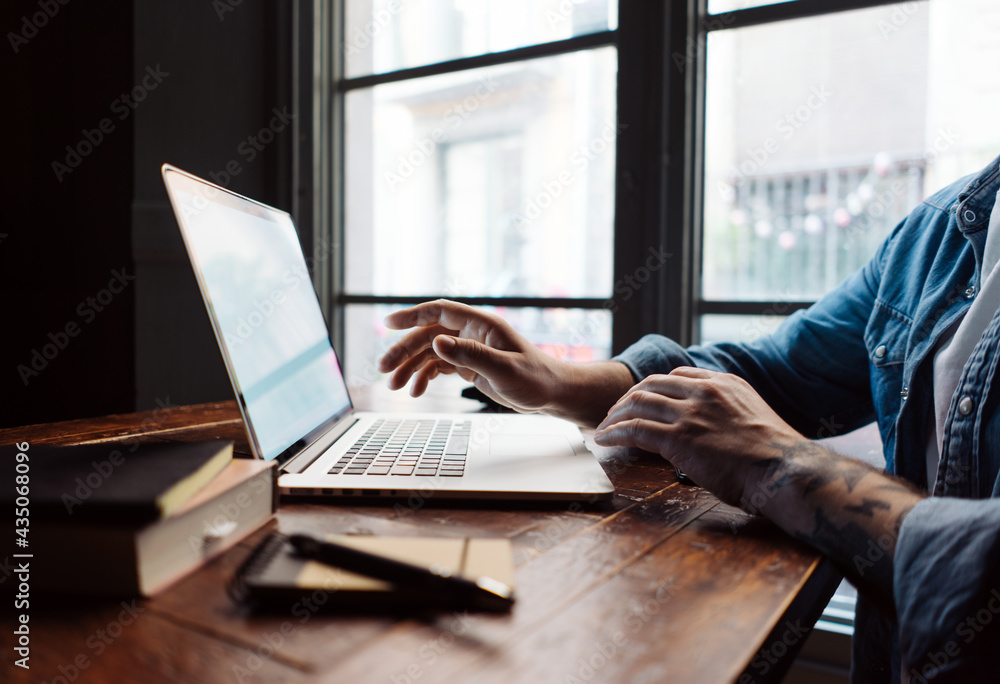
column 478, row 164
column 700, row 169
column 823, row 129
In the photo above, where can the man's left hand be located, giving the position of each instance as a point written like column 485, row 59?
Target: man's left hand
column 713, row 426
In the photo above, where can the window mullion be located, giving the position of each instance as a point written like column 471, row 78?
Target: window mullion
column 641, row 174
column 784, row 11
column 560, row 47
column 517, row 302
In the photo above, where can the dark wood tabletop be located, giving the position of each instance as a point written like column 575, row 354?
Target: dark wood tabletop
column 663, row 583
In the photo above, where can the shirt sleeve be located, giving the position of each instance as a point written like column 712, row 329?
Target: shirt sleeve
column 947, row 590
column 813, row 371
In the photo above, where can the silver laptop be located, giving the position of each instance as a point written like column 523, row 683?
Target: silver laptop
column 293, row 397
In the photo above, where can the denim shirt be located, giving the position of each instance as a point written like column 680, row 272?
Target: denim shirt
column 865, row 352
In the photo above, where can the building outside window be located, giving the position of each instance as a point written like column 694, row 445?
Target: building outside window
column 823, row 132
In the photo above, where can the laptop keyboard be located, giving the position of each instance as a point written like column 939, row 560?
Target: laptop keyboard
column 392, row 446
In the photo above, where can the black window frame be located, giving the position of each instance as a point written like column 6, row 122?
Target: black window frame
column 659, row 174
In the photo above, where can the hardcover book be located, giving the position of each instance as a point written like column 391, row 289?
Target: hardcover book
column 108, row 482
column 123, row 558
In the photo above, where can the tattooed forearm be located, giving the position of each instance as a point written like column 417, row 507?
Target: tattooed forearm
column 847, row 509
column 867, row 507
column 812, row 467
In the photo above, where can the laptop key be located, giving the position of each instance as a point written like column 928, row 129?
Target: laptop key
column 457, row 445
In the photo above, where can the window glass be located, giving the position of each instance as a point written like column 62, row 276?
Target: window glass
column 823, row 133
column 740, row 328
column 387, row 35
column 488, row 182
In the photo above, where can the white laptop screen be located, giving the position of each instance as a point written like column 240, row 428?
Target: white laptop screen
column 265, row 313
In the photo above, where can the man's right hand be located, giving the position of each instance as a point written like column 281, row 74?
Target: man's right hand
column 481, row 347
column 486, row 350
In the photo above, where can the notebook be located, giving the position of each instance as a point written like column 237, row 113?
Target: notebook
column 274, row 575
column 127, row 557
column 110, row 482
column 294, row 399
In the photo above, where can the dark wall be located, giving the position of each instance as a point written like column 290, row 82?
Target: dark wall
column 100, row 310
column 65, row 231
column 229, row 80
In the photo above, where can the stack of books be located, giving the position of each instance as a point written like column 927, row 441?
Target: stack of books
column 109, row 520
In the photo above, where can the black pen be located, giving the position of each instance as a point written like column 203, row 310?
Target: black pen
column 684, row 479
column 485, row 593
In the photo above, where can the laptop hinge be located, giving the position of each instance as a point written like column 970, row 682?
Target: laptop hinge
column 308, row 456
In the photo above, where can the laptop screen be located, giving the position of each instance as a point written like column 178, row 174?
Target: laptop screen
column 265, row 313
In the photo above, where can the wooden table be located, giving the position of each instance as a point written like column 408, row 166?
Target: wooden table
column 661, row 584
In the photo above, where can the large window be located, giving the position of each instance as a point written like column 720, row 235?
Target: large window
column 823, row 129
column 478, row 164
column 594, row 171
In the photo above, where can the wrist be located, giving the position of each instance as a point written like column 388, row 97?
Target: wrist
column 584, row 392
column 558, row 376
column 773, row 473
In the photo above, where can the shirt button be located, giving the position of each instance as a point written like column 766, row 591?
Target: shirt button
column 970, row 292
column 969, row 216
column 965, row 405
column 904, row 393
column 880, row 351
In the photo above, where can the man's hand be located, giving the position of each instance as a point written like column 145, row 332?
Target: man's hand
column 713, row 426
column 481, row 347
column 486, row 350
column 718, row 430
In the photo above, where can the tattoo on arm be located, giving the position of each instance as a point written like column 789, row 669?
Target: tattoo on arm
column 855, row 522
column 812, row 466
column 867, row 507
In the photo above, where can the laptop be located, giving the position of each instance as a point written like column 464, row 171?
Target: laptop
column 294, row 399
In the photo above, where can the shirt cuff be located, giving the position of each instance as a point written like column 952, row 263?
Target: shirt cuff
column 653, row 354
column 947, row 590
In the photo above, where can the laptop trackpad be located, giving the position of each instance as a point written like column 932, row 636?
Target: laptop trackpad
column 535, row 446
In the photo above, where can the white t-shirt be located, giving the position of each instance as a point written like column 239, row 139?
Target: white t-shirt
column 953, row 353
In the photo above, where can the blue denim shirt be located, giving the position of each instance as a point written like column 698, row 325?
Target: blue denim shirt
column 865, row 352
